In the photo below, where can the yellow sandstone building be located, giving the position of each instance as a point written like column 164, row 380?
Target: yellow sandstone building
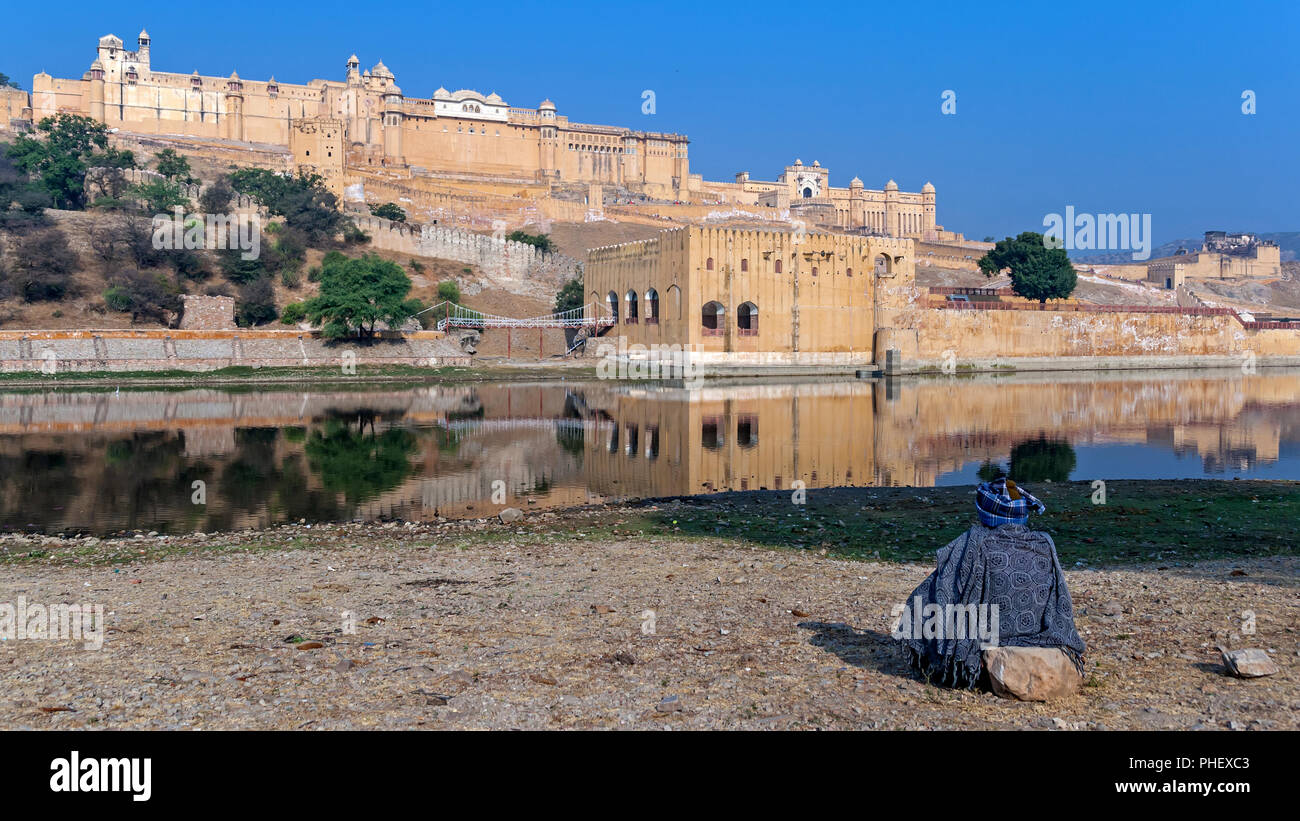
column 760, row 297
column 364, row 125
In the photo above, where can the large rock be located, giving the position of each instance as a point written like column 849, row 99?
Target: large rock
column 1249, row 663
column 510, row 515
column 1031, row 673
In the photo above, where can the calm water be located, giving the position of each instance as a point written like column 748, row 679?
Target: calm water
column 102, row 462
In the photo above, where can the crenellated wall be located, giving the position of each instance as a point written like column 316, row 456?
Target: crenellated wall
column 498, row 258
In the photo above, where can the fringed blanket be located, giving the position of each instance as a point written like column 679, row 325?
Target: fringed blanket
column 1009, row 566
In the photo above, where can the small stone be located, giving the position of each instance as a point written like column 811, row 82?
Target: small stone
column 1112, row 608
column 1031, row 673
column 344, row 666
column 510, row 515
column 669, row 704
column 1249, row 663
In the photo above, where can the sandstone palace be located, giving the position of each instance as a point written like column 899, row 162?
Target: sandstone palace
column 363, row 126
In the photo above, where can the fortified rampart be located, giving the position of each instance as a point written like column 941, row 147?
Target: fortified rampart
column 160, row 350
column 498, row 258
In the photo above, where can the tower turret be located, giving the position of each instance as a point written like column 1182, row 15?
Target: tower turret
column 393, row 124
column 234, row 107
column 927, row 204
column 97, row 90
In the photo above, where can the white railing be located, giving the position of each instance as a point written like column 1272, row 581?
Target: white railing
column 458, row 316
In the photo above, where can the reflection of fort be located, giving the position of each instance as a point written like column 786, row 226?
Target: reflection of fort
column 80, row 460
column 677, row 442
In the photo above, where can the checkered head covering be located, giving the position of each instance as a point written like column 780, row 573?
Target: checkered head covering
column 1001, row 502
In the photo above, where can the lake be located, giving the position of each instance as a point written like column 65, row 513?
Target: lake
column 174, row 461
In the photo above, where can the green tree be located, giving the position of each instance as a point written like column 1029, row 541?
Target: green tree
column 449, row 291
column 160, row 196
column 240, row 270
column 542, row 241
column 358, row 294
column 60, row 152
column 303, row 201
column 5, row 81
column 172, row 166
column 569, row 296
column 389, row 211
column 1037, row 272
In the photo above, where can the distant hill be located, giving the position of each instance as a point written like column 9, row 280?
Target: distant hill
column 1287, row 241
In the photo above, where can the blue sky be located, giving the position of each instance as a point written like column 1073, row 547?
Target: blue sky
column 1107, row 106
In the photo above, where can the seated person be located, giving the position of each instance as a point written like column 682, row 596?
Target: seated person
column 1002, row 570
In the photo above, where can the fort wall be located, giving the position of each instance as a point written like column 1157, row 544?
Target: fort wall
column 162, row 350
column 498, row 258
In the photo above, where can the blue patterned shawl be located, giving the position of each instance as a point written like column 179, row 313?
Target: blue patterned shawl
column 1012, row 567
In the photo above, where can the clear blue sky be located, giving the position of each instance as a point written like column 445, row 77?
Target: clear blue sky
column 1106, row 106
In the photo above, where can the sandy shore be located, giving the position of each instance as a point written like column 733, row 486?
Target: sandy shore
column 488, row 626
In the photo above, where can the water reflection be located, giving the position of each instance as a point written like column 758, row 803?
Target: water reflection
column 101, row 462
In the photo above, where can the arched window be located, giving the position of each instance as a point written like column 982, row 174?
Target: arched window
column 708, row 264
column 882, row 265
column 652, row 307
column 747, row 319
column 612, row 303
column 713, row 316
column 807, row 193
column 814, row 270
column 744, row 265
column 630, row 298
column 849, row 272
column 779, row 267
column 675, row 295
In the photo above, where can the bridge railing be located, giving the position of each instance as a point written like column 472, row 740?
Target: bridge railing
column 454, row 315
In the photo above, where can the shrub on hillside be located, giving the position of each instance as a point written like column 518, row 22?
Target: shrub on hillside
column 389, row 211
column 240, row 270
column 449, row 290
column 255, row 304
column 43, row 265
column 215, row 199
column 143, row 294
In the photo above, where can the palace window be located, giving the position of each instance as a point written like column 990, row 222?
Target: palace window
column 652, row 307
column 631, row 299
column 708, row 264
column 612, row 303
column 747, row 319
column 712, row 316
column 744, row 265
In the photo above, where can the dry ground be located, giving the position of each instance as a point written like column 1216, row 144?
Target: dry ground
column 487, row 626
